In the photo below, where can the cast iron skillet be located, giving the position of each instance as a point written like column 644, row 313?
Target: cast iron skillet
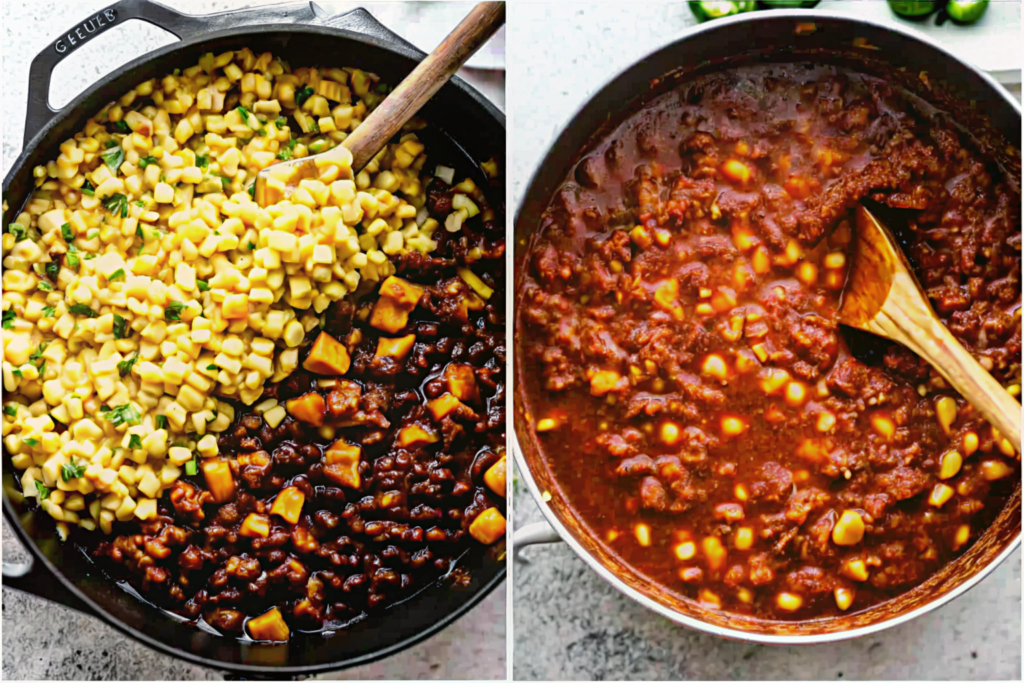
column 61, row 572
column 779, row 36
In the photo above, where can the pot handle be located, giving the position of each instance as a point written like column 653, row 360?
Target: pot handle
column 183, row 26
column 533, row 534
column 28, row 577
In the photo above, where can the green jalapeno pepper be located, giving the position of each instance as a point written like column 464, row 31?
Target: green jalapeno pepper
column 714, row 9
column 966, row 11
column 913, row 8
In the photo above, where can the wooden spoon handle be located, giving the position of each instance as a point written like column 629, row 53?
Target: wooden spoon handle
column 425, row 80
column 925, row 335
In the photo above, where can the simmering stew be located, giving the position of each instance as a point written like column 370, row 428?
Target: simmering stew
column 694, row 396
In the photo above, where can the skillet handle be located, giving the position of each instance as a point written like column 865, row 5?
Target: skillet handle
column 28, row 577
column 361, row 21
column 183, row 26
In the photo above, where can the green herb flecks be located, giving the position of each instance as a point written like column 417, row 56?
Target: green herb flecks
column 113, row 158
column 120, row 327
column 82, row 309
column 72, row 470
column 123, row 414
column 302, row 95
column 173, row 310
column 125, row 366
column 117, row 204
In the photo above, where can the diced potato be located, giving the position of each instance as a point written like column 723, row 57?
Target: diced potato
column 494, row 477
column 397, row 348
column 327, row 357
column 414, row 435
column 255, row 526
column 269, row 626
column 219, row 481
column 388, row 316
column 443, row 405
column 309, row 408
column 461, row 380
column 341, row 463
column 402, row 292
column 488, row 527
column 288, row 504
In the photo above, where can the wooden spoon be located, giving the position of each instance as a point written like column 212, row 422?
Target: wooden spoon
column 882, row 296
column 401, row 105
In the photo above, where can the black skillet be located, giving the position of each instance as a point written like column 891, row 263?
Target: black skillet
column 302, row 34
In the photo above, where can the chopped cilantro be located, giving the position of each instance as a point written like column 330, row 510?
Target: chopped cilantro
column 49, row 312
column 38, row 353
column 173, row 310
column 42, row 369
column 281, row 121
column 123, row 414
column 302, row 95
column 116, row 204
column 161, row 422
column 82, row 309
column 202, row 160
column 252, row 190
column 87, row 189
column 32, row 442
column 211, row 366
column 141, row 204
column 125, row 366
column 42, row 490
column 146, row 161
column 113, row 157
column 135, row 442
column 203, row 285
column 285, row 153
column 10, row 411
column 252, row 247
column 120, row 327
column 16, row 372
column 72, row 470
column 8, row 322
column 120, row 127
column 65, row 231
column 116, row 275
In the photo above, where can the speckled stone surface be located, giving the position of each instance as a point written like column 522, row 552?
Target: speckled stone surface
column 567, row 623
column 43, row 641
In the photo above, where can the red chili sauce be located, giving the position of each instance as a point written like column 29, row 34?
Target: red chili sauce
column 693, row 393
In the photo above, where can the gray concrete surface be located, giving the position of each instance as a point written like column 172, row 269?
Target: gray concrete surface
column 43, row 641
column 567, row 623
